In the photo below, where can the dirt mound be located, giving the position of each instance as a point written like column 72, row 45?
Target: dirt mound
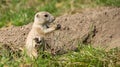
column 99, row 27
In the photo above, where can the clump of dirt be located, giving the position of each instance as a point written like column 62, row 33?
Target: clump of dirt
column 99, row 27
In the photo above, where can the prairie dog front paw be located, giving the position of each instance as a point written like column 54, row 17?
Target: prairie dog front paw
column 58, row 27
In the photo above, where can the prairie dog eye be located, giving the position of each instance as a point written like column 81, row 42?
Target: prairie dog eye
column 46, row 15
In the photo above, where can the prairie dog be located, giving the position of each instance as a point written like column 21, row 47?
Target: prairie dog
column 38, row 31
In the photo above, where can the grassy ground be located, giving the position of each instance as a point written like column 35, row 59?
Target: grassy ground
column 20, row 12
column 85, row 56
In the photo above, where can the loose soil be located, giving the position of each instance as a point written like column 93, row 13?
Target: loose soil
column 98, row 27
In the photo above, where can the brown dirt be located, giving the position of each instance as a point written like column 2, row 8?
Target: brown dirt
column 99, row 26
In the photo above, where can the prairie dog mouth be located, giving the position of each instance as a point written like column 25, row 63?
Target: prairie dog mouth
column 50, row 23
column 47, row 26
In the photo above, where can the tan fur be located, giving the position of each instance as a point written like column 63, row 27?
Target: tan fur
column 39, row 30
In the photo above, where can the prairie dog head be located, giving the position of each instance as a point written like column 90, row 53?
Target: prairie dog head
column 43, row 18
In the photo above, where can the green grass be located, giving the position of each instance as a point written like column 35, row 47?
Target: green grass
column 85, row 56
column 20, row 12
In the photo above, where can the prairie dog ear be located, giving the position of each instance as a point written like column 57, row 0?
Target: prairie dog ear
column 37, row 15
